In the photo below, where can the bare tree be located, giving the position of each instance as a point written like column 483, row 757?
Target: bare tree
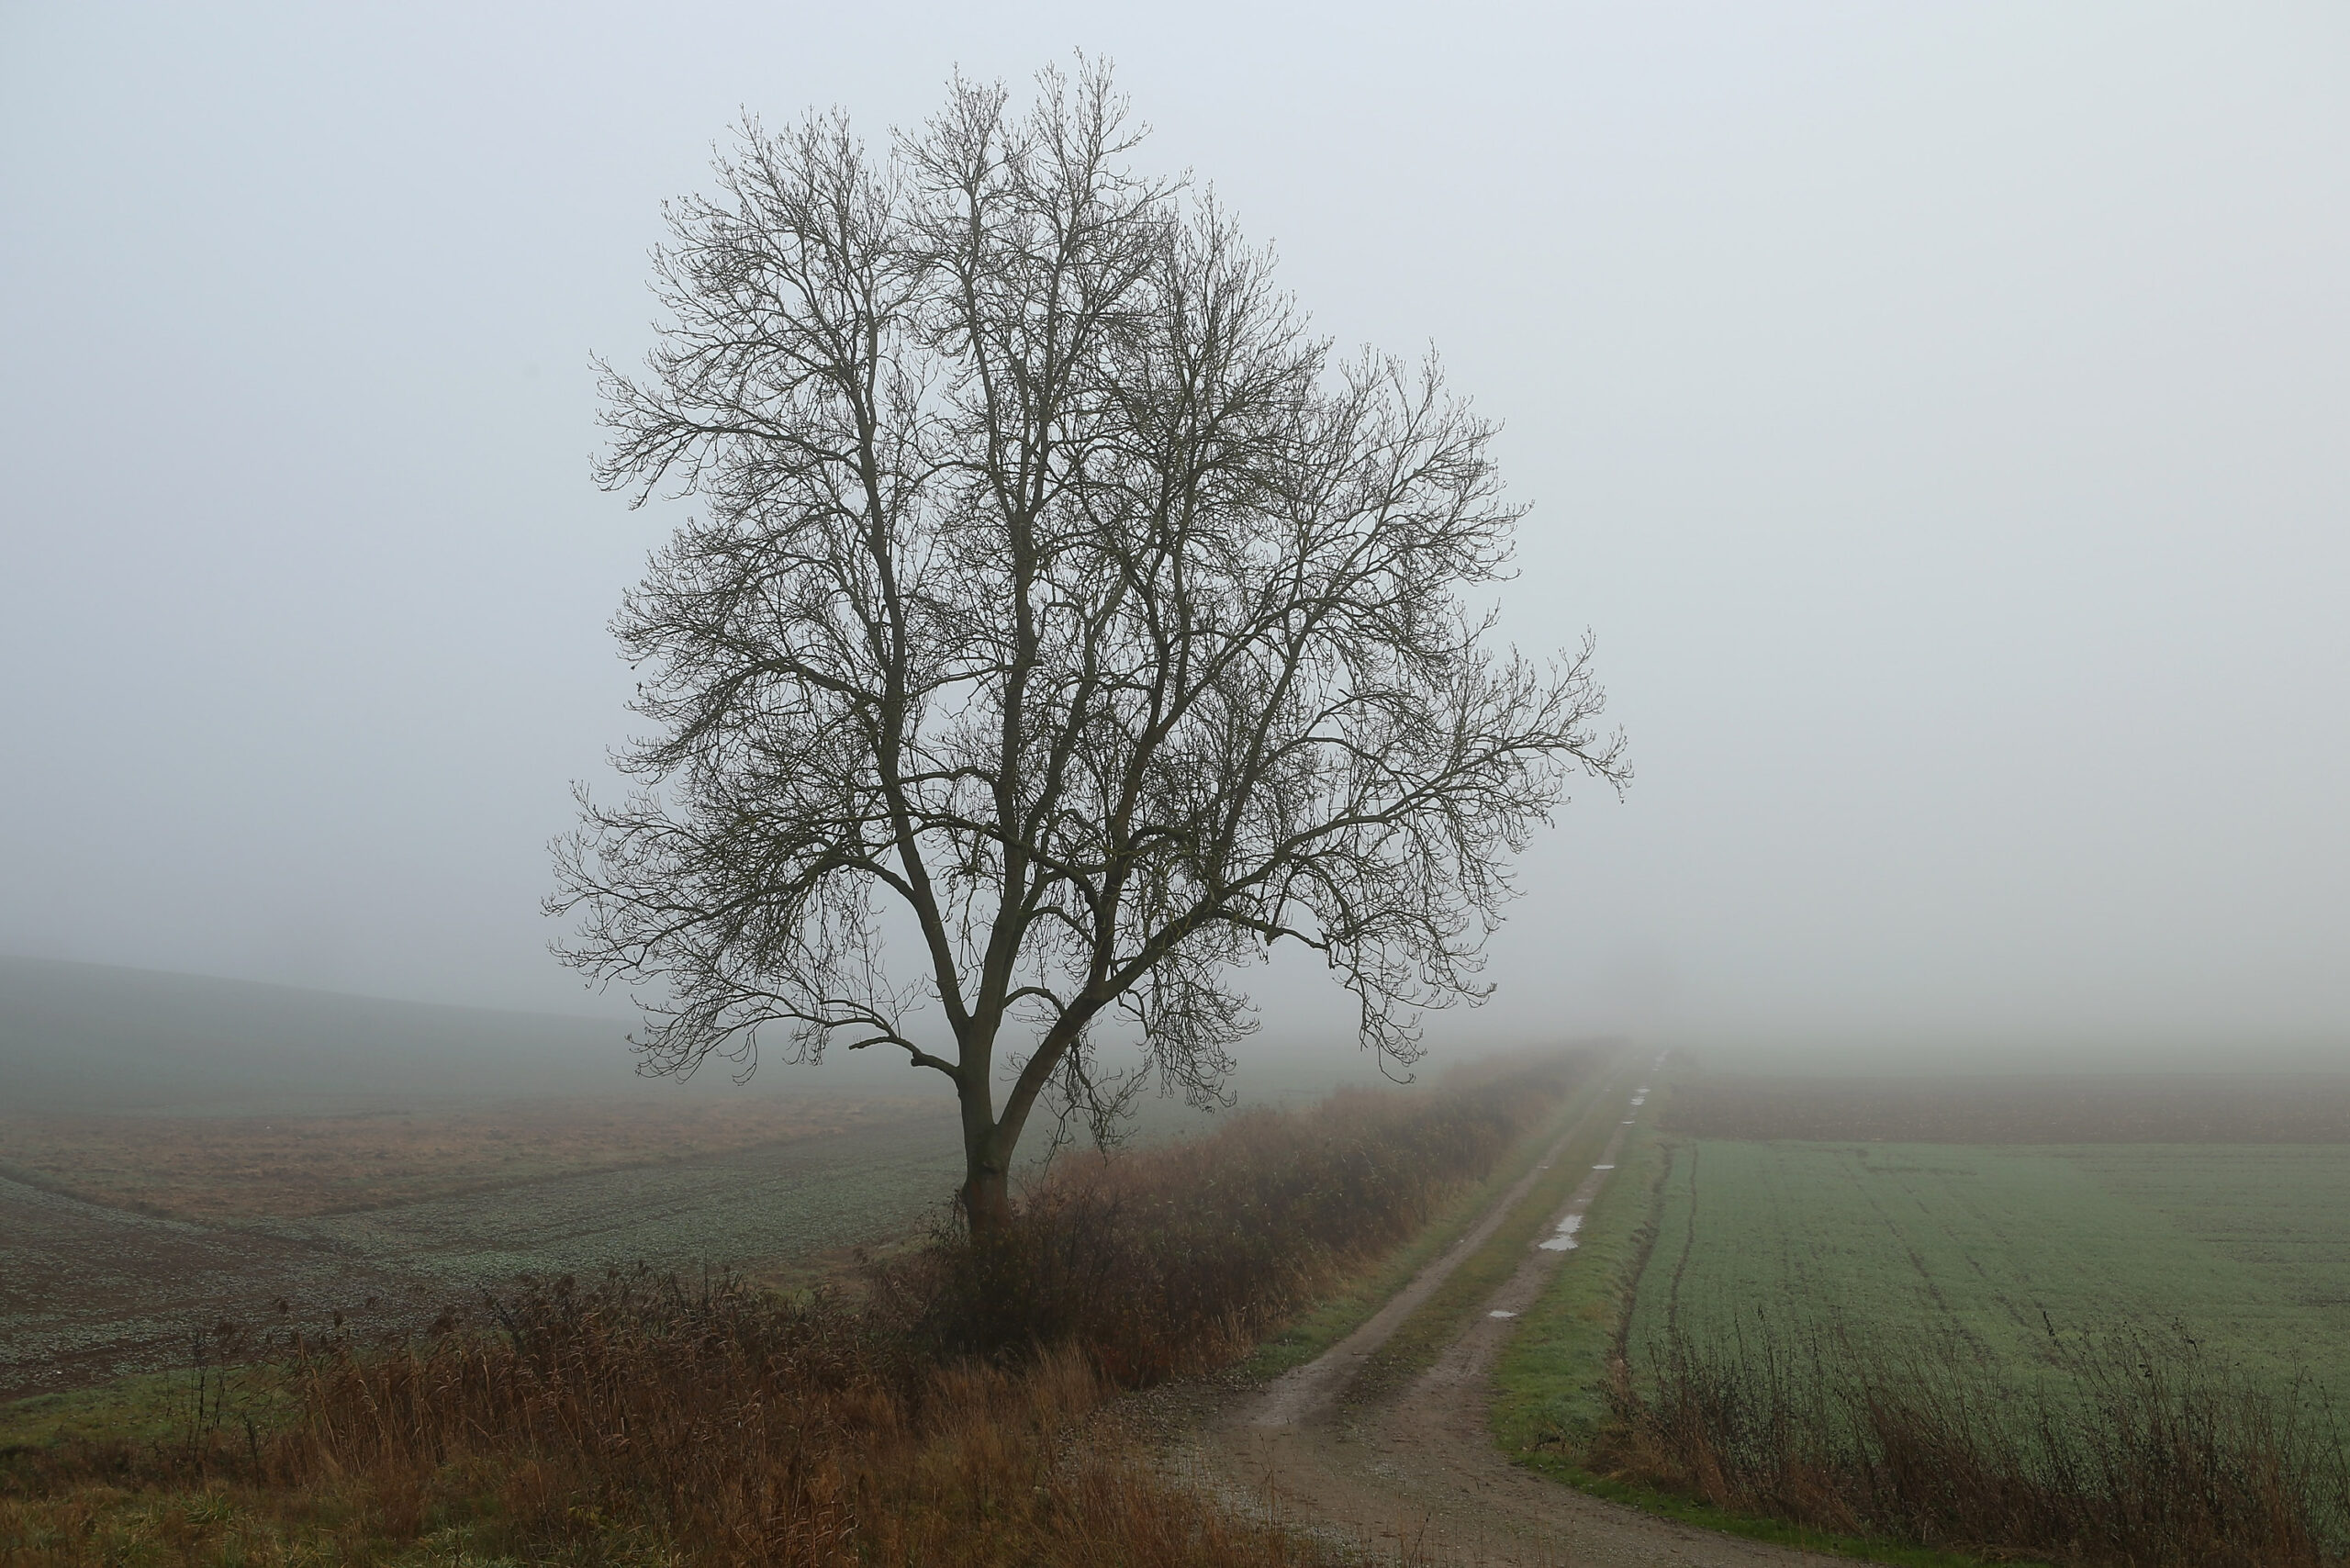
column 1058, row 591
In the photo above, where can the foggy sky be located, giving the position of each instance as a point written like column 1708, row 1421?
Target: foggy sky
column 1940, row 413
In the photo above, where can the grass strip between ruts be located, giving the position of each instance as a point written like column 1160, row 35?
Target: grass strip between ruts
column 1340, row 1314
column 1549, row 1384
column 1420, row 1339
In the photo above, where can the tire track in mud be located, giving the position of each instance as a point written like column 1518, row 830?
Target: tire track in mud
column 1418, row 1476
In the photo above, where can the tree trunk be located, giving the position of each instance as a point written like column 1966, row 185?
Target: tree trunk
column 987, row 1201
column 985, row 1195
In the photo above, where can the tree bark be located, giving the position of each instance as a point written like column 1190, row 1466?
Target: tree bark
column 987, row 1200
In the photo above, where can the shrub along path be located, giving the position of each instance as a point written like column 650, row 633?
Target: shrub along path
column 1409, row 1468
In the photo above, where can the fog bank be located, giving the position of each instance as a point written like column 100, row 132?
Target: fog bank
column 1935, row 411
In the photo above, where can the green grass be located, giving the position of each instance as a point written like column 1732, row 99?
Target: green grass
column 150, row 1408
column 1778, row 1532
column 1550, row 1377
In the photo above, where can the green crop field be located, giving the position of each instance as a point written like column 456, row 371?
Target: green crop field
column 2072, row 1289
column 1973, row 1213
column 2246, row 1248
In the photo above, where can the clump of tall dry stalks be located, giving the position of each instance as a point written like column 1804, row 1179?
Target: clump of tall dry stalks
column 740, row 1430
column 2135, row 1449
column 957, row 1415
column 1166, row 1259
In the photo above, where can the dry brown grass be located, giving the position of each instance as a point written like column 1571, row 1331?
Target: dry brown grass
column 1166, row 1259
column 639, row 1424
column 291, row 1167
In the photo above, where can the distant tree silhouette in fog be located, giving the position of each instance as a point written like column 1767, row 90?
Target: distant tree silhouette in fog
column 1056, row 587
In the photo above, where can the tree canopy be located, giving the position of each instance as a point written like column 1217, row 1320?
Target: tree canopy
column 1064, row 625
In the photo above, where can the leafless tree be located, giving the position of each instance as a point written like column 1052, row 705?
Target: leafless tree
column 1058, row 588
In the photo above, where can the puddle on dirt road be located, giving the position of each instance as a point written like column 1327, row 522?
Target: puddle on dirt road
column 1564, row 1240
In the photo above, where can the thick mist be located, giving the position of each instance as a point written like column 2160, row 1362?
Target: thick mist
column 1936, row 412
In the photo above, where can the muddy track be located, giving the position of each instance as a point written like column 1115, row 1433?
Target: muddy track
column 1416, row 1474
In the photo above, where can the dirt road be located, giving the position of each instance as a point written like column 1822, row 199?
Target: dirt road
column 1418, row 1471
